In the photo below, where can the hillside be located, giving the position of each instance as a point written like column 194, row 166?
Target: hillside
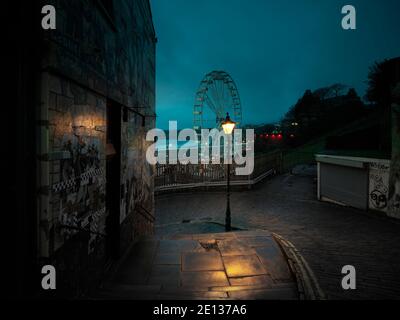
column 306, row 153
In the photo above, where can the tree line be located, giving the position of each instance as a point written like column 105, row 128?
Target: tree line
column 326, row 109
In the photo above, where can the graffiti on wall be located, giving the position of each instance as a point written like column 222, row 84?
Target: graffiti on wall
column 77, row 148
column 135, row 171
column 82, row 189
column 378, row 185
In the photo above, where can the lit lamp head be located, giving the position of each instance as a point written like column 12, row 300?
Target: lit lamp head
column 228, row 125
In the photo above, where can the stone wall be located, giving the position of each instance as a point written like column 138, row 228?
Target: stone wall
column 101, row 52
column 394, row 182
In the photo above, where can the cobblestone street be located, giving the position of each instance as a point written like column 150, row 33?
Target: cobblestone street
column 327, row 235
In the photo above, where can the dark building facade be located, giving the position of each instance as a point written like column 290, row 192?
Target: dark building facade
column 92, row 88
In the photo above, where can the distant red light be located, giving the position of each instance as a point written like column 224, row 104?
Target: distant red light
column 279, row 136
column 273, row 136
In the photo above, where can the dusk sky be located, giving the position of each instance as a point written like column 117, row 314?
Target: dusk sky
column 274, row 50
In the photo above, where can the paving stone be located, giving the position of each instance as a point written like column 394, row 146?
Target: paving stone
column 241, row 266
column 168, row 258
column 135, row 270
column 240, row 288
column 181, row 237
column 277, row 266
column 121, row 295
column 265, row 294
column 251, row 281
column 129, row 292
column 205, row 236
column 200, row 248
column 252, row 233
column 183, row 291
column 292, row 285
column 176, row 246
column 184, row 294
column 211, row 295
column 225, row 235
column 204, row 279
column 165, row 275
column 144, row 250
column 258, row 241
column 234, row 247
column 133, row 288
column 202, row 261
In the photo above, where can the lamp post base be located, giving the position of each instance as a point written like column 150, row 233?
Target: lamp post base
column 228, row 226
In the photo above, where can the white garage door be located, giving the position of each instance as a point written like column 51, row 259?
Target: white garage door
column 344, row 184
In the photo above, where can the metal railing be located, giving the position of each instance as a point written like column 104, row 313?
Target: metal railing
column 185, row 176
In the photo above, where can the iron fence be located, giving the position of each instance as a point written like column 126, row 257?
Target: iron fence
column 181, row 176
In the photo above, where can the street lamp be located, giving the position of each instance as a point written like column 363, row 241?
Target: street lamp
column 228, row 126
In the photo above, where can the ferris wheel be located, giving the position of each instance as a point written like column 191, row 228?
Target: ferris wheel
column 217, row 95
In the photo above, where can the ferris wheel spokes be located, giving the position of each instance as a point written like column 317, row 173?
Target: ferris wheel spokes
column 217, row 95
